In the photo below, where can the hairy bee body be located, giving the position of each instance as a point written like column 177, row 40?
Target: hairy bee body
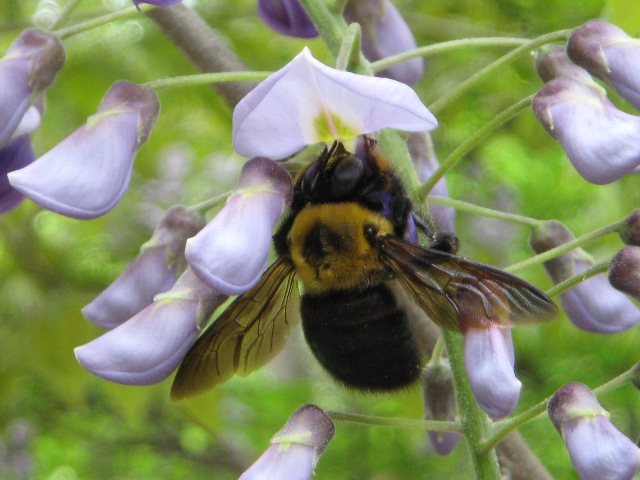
column 350, row 240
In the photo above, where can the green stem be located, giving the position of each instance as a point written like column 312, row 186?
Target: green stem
column 471, row 142
column 576, row 279
column 203, row 207
column 102, row 20
column 490, row 69
column 438, row 350
column 349, row 55
column 64, row 15
column 205, row 79
column 444, row 47
column 566, row 247
column 405, row 423
column 483, row 211
column 331, row 26
column 475, row 423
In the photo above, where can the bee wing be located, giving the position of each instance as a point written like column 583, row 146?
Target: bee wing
column 245, row 336
column 457, row 293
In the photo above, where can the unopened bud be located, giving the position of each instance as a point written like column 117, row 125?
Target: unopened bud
column 630, row 232
column 624, row 273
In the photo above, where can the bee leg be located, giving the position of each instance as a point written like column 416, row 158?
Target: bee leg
column 444, row 241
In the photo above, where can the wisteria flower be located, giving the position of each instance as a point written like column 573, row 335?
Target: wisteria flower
column 630, row 232
column 385, row 33
column 601, row 141
column 593, row 304
column 286, row 17
column 439, row 399
column 608, row 53
column 154, row 271
column 13, row 156
column 624, row 273
column 552, row 62
column 148, row 347
column 489, row 361
column 27, row 69
column 307, row 102
column 231, row 252
column 296, row 448
column 86, row 174
column 598, row 450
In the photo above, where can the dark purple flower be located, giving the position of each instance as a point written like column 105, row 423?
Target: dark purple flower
column 86, row 174
column 602, row 142
column 489, row 361
column 552, row 62
column 608, row 53
column 230, row 253
column 154, row 271
column 287, row 17
column 597, row 449
column 148, row 347
column 439, row 399
column 624, row 273
column 13, row 156
column 295, row 449
column 28, row 67
column 385, row 33
column 630, row 233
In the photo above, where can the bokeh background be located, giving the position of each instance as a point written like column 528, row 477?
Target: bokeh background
column 58, row 422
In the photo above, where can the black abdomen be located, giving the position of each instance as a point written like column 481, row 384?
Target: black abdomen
column 362, row 338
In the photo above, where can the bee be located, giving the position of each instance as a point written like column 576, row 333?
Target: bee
column 350, row 239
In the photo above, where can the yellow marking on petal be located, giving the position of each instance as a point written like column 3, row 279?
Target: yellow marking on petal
column 286, row 439
column 329, row 127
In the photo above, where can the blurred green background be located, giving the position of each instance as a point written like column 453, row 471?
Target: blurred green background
column 58, row 422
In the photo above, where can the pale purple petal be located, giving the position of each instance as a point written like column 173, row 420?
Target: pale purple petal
column 602, row 142
column 287, row 17
column 282, row 462
column 307, row 102
column 489, row 360
column 552, row 62
column 385, row 33
column 439, row 399
column 231, row 252
column 13, row 156
column 86, row 174
column 443, row 443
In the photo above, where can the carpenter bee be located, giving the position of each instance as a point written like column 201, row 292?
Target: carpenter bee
column 350, row 239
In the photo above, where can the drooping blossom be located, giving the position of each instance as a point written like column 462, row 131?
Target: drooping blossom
column 489, row 362
column 154, row 271
column 601, row 141
column 608, row 53
column 13, row 156
column 440, row 403
column 552, row 62
column 296, row 448
column 630, row 232
column 231, row 252
column 148, row 347
column 307, row 102
column 86, row 174
column 28, row 67
column 385, row 33
column 593, row 304
column 598, row 450
column 286, row 17
column 624, row 273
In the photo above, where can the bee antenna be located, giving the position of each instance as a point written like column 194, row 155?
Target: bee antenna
column 332, row 149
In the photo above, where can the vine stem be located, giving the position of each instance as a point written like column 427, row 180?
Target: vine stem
column 102, row 20
column 64, row 15
column 576, row 279
column 483, row 211
column 205, row 79
column 405, row 423
column 210, row 203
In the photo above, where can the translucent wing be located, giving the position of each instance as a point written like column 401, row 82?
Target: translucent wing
column 457, row 293
column 245, row 336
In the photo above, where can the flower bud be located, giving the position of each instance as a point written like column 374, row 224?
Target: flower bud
column 608, row 53
column 29, row 66
column 286, row 17
column 624, row 273
column 230, row 253
column 148, row 347
column 86, row 174
column 600, row 140
column 548, row 235
column 440, row 403
column 489, row 361
column 552, row 62
column 597, row 449
column 296, row 449
column 13, row 156
column 154, row 271
column 630, row 232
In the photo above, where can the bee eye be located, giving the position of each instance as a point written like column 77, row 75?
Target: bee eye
column 346, row 175
column 370, row 233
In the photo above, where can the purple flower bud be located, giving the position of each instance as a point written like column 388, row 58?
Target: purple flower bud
column 630, row 233
column 13, row 156
column 29, row 66
column 86, row 174
column 272, row 120
column 592, row 305
column 149, row 346
column 608, row 53
column 425, row 161
column 489, row 361
column 287, row 17
column 440, row 403
column 385, row 33
column 230, row 253
column 552, row 62
column 601, row 141
column 597, row 449
column 295, row 449
column 624, row 273
column 154, row 271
